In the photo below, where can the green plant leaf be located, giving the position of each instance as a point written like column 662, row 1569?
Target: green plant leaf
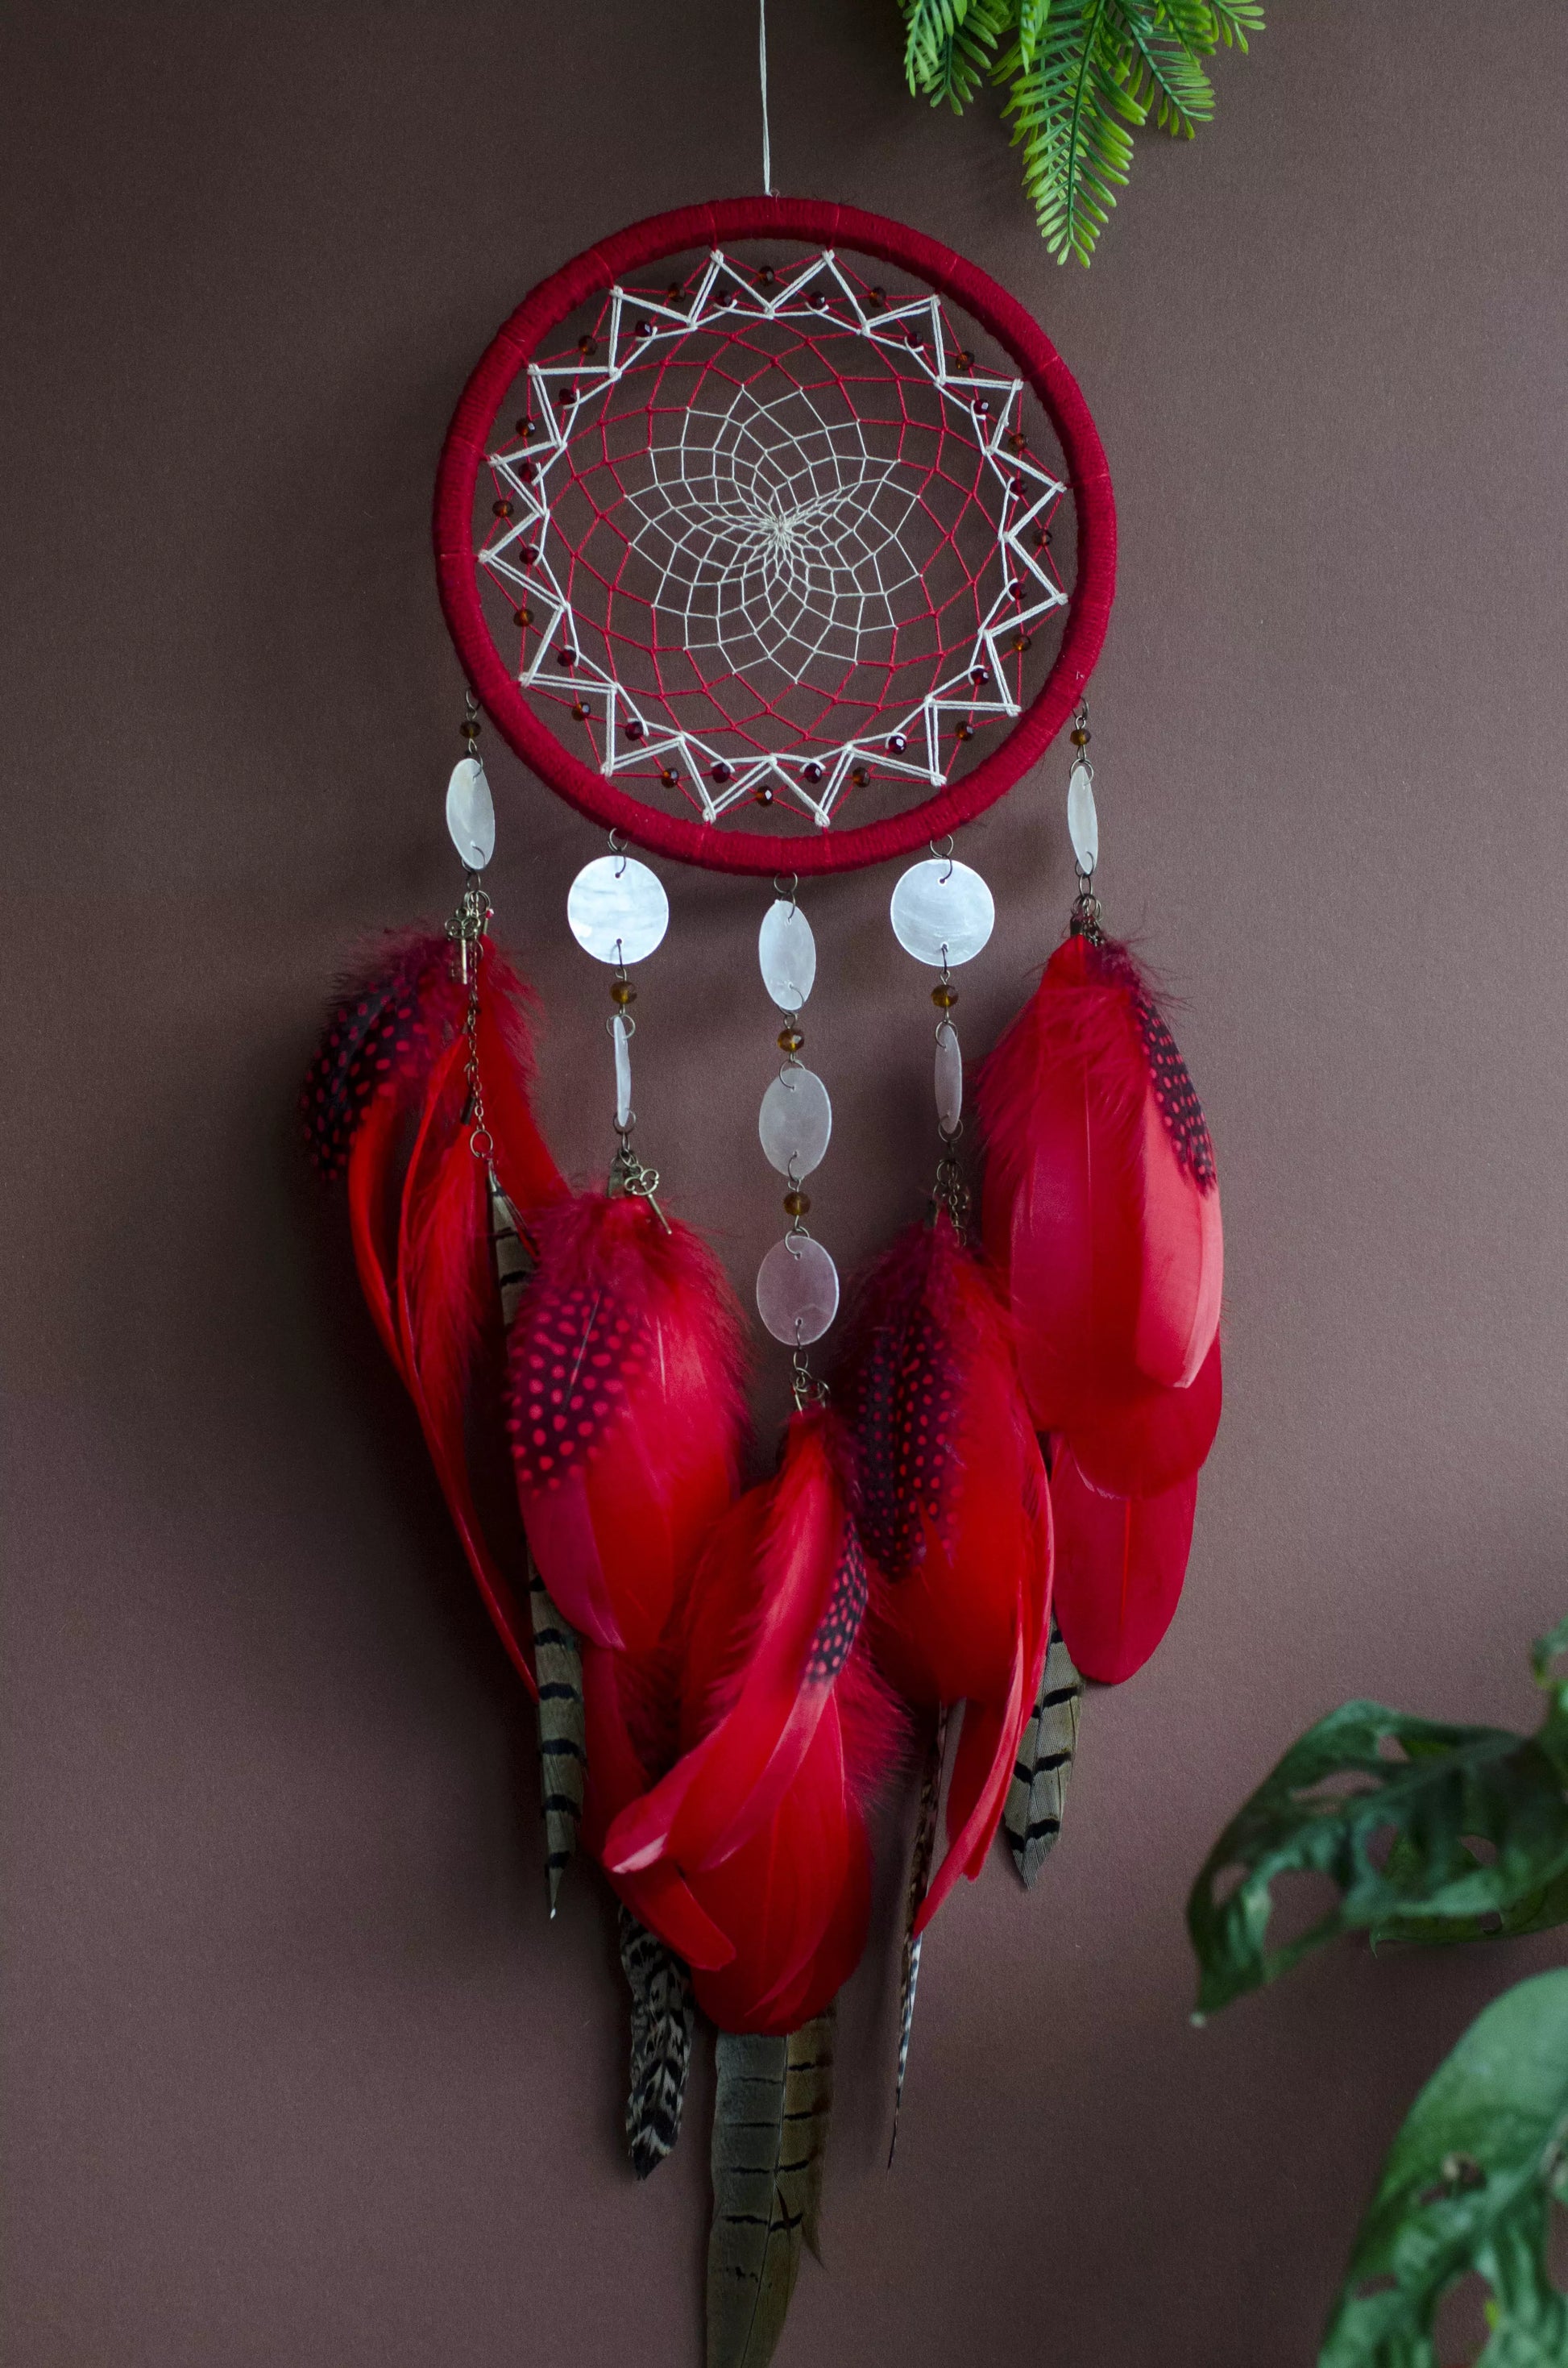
column 949, row 45
column 1397, row 1844
column 1468, row 2186
column 1233, row 20
column 1071, row 110
column 1157, row 61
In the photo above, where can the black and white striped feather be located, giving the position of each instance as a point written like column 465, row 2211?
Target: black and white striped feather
column 562, row 1732
column 661, row 2043
column 1037, row 1794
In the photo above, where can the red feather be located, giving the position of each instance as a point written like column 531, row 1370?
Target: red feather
column 1101, row 1204
column 1119, row 1565
column 952, row 1502
column 785, row 1728
column 388, row 1096
column 625, row 1413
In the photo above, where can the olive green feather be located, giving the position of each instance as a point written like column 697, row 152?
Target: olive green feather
column 562, row 1731
column 770, row 2117
column 1032, row 1815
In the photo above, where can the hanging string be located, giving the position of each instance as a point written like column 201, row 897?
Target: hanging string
column 762, row 66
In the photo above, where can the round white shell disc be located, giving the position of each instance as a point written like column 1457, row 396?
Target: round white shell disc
column 796, row 1291
column 617, row 909
column 942, row 912
column 787, row 952
column 795, row 1121
column 471, row 813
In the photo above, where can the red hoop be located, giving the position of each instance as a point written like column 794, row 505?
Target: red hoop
column 810, row 222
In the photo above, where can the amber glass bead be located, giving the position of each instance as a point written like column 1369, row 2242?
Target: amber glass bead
column 789, row 1039
column 669, row 776
column 944, row 997
column 587, row 347
column 1020, row 644
column 469, row 730
column 765, row 797
column 523, row 426
column 503, row 508
column 859, row 776
column 622, row 992
column 1080, row 738
column 965, row 732
column 522, row 616
column 797, row 1204
column 580, row 709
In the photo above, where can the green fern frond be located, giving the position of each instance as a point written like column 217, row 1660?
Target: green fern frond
column 1233, row 20
column 947, row 46
column 1070, row 115
column 1081, row 75
column 1158, row 65
column 1032, row 17
column 963, row 60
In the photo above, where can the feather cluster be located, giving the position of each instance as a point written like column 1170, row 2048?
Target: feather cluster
column 1101, row 1216
column 956, row 1515
column 386, row 1105
column 785, row 1730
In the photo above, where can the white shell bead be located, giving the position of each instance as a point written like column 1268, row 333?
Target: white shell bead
column 795, row 1123
column 617, row 909
column 787, row 952
column 948, row 1076
column 796, row 1291
column 942, row 912
column 471, row 813
column 1083, row 822
column 622, row 1035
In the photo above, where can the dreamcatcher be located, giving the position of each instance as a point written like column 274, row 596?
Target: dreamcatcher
column 776, row 538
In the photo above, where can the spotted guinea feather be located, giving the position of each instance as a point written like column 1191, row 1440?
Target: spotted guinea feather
column 904, row 1405
column 1175, row 1096
column 384, row 1030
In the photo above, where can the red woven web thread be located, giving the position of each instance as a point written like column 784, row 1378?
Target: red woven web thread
column 1175, row 1096
column 908, row 619
column 572, row 1363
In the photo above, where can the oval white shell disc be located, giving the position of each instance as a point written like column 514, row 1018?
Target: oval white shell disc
column 617, row 909
column 787, row 952
column 795, row 1123
column 471, row 813
column 622, row 1069
column 948, row 1078
column 796, row 1291
column 942, row 912
column 1083, row 823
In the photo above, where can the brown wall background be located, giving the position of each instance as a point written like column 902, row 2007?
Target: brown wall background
column 297, row 2073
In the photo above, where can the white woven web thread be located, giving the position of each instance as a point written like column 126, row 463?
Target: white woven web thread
column 752, row 574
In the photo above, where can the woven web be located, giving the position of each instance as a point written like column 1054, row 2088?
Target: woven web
column 770, row 535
